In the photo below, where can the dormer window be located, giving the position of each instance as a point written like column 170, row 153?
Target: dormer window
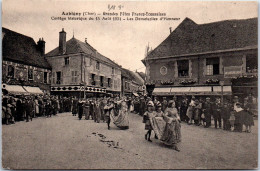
column 67, row 61
column 113, row 71
column 97, row 65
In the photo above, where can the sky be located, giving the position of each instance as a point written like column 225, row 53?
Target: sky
column 122, row 41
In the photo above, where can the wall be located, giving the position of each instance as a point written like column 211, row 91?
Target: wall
column 82, row 62
column 197, row 69
column 21, row 73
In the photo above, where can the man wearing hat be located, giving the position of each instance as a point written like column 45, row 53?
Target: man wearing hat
column 183, row 109
column 217, row 113
column 207, row 109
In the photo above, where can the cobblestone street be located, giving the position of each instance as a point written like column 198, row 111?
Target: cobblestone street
column 64, row 142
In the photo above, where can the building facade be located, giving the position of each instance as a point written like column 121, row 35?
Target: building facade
column 132, row 83
column 204, row 59
column 24, row 67
column 79, row 70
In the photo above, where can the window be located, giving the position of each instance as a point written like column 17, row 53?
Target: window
column 74, row 76
column 58, row 75
column 251, row 63
column 30, row 74
column 115, row 86
column 97, row 65
column 101, row 81
column 93, row 79
column 10, row 72
column 90, row 61
column 183, row 68
column 109, row 82
column 45, row 77
column 212, row 66
column 67, row 60
column 113, row 71
column 125, row 85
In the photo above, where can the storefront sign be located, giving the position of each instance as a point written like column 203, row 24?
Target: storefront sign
column 232, row 71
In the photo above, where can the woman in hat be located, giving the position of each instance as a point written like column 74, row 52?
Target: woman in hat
column 149, row 114
column 172, row 132
column 121, row 120
column 238, row 118
column 159, row 112
column 190, row 110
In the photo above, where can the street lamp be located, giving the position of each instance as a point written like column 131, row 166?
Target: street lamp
column 222, row 98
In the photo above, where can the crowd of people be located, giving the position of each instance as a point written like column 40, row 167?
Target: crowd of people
column 231, row 115
column 26, row 107
column 162, row 116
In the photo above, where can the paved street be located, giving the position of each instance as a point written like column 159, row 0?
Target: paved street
column 64, row 142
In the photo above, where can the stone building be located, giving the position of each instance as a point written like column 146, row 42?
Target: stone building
column 24, row 68
column 132, row 83
column 78, row 69
column 196, row 59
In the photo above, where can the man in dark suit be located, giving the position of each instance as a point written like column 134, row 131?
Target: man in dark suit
column 207, row 108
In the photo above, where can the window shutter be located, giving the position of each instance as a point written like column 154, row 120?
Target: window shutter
column 72, row 76
column 53, row 78
column 90, row 78
column 112, row 82
column 105, row 82
column 97, row 79
column 61, row 77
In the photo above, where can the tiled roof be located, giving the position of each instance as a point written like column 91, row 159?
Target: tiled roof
column 133, row 76
column 142, row 75
column 192, row 38
column 74, row 46
column 22, row 49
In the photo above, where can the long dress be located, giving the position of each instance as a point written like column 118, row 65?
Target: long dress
column 122, row 121
column 98, row 112
column 148, row 119
column 36, row 106
column 172, row 131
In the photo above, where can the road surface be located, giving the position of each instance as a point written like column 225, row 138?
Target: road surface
column 64, row 142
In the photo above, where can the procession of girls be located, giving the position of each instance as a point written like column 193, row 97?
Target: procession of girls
column 103, row 109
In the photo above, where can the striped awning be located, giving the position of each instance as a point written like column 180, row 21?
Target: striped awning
column 15, row 89
column 33, row 90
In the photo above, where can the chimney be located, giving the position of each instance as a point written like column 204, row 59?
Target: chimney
column 170, row 30
column 86, row 40
column 62, row 42
column 41, row 46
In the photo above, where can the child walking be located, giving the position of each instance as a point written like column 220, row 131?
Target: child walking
column 147, row 116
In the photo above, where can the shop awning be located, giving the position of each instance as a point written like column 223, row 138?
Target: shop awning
column 33, row 90
column 226, row 90
column 15, row 89
column 135, row 94
column 162, row 91
column 180, row 89
column 199, row 90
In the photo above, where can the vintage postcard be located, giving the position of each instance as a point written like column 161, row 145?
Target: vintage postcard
column 129, row 85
